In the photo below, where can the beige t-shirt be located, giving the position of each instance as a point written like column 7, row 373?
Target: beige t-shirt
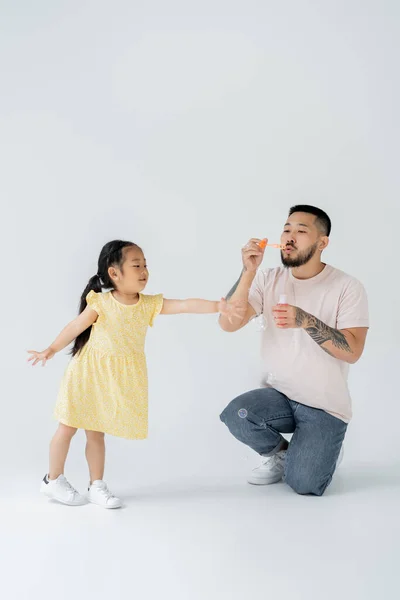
column 293, row 363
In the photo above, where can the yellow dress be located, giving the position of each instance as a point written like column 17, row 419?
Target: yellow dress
column 105, row 385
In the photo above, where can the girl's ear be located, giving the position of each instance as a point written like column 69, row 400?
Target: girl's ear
column 113, row 273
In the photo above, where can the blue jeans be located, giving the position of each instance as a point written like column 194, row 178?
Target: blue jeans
column 258, row 418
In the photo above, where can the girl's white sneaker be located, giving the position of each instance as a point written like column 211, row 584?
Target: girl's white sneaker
column 61, row 490
column 99, row 493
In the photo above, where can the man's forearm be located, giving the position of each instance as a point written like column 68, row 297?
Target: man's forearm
column 234, row 287
column 331, row 340
column 240, row 291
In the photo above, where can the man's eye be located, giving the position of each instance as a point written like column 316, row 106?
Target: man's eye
column 302, row 232
column 286, row 231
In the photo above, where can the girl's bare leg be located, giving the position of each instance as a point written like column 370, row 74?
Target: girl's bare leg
column 59, row 447
column 95, row 454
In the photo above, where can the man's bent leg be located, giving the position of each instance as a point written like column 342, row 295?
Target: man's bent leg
column 313, row 451
column 258, row 418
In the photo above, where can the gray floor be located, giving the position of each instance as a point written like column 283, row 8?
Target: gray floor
column 203, row 539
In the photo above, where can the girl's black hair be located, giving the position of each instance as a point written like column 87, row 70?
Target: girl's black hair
column 111, row 255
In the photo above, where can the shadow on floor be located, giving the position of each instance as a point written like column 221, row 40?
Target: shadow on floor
column 350, row 479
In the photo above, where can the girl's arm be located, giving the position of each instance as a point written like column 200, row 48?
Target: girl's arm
column 191, row 305
column 233, row 309
column 67, row 335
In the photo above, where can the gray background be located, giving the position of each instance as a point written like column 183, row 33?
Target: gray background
column 190, row 127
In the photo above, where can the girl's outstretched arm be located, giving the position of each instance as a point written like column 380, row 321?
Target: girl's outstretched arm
column 67, row 335
column 231, row 310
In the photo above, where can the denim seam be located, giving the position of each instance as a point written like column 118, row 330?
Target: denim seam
column 281, row 416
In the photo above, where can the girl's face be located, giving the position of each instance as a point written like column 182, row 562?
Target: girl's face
column 134, row 274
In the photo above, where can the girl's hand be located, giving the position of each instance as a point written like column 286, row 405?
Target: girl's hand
column 234, row 310
column 41, row 356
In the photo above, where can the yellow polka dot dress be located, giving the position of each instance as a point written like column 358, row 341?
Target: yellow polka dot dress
column 105, row 386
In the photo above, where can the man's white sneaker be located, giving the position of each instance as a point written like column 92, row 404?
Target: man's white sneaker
column 270, row 470
column 99, row 493
column 61, row 490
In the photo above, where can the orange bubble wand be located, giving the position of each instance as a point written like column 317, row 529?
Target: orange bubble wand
column 263, row 244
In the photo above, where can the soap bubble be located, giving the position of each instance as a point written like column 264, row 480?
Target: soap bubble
column 260, row 323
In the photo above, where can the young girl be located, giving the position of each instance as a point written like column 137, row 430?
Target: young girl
column 104, row 389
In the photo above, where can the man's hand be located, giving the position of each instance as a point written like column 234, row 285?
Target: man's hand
column 252, row 255
column 287, row 316
column 343, row 344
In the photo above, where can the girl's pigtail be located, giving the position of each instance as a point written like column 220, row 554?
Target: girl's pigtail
column 95, row 286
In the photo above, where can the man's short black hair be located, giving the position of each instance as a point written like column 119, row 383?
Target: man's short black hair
column 323, row 222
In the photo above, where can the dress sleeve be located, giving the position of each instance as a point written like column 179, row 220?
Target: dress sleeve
column 93, row 301
column 156, row 304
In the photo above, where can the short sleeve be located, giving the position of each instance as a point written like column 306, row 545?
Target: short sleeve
column 256, row 293
column 155, row 307
column 353, row 307
column 93, row 300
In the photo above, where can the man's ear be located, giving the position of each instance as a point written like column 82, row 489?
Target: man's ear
column 323, row 243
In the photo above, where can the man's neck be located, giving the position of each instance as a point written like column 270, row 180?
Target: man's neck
column 311, row 269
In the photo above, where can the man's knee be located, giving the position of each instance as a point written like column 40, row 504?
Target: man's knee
column 229, row 414
column 244, row 406
column 307, row 483
column 235, row 417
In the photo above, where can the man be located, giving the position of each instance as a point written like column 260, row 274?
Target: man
column 307, row 347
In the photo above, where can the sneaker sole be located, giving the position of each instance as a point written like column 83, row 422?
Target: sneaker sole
column 43, row 491
column 264, row 481
column 104, row 506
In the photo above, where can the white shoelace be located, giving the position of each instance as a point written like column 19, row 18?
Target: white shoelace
column 277, row 458
column 104, row 491
column 67, row 486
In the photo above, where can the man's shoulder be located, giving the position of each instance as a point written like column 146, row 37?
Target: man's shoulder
column 344, row 278
column 333, row 277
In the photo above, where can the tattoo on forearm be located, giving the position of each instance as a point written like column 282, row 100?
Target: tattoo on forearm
column 234, row 288
column 321, row 333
